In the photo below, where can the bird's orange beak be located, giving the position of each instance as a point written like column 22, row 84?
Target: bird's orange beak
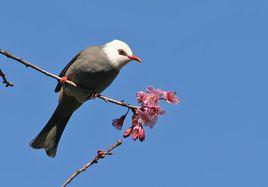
column 134, row 57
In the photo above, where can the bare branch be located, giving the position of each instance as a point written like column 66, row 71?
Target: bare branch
column 100, row 155
column 28, row 64
column 121, row 103
column 5, row 81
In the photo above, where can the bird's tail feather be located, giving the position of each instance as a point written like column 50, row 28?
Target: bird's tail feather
column 50, row 135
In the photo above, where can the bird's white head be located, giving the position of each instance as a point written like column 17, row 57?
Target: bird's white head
column 119, row 53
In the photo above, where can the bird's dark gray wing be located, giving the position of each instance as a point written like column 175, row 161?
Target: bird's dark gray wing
column 90, row 69
column 62, row 73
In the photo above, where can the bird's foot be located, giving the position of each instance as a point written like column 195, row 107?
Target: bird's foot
column 94, row 95
column 63, row 80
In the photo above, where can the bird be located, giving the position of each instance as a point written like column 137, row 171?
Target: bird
column 92, row 69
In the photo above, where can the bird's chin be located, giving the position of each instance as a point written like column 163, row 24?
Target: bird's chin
column 123, row 63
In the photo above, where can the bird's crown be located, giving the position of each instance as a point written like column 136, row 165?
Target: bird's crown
column 117, row 52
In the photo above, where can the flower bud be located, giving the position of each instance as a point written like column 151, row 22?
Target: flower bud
column 127, row 132
column 135, row 135
column 100, row 154
column 118, row 123
column 141, row 134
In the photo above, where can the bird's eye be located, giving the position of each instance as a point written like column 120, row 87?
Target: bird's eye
column 122, row 52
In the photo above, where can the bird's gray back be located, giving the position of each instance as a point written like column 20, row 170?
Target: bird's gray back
column 92, row 70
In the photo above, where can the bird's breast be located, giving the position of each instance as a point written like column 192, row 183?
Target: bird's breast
column 93, row 80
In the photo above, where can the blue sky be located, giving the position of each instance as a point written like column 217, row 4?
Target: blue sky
column 213, row 53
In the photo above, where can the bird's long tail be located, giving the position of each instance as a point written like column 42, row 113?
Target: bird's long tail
column 50, row 135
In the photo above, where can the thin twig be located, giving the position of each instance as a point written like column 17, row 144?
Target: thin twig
column 100, row 155
column 121, row 103
column 5, row 81
column 33, row 66
column 28, row 64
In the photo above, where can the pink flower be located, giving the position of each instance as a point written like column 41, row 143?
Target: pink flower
column 149, row 115
column 157, row 92
column 171, row 97
column 148, row 112
column 118, row 123
column 140, row 96
column 151, row 100
column 148, row 99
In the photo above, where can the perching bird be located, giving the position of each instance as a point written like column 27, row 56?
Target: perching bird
column 94, row 69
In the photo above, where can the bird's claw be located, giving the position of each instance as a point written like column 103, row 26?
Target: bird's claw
column 63, row 80
column 93, row 95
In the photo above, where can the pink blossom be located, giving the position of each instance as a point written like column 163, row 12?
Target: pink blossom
column 157, row 92
column 140, row 96
column 148, row 112
column 148, row 99
column 149, row 115
column 151, row 100
column 171, row 97
column 118, row 123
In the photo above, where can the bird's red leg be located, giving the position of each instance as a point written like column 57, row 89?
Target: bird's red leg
column 93, row 95
column 63, row 80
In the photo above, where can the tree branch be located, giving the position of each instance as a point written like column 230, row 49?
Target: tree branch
column 100, row 155
column 121, row 103
column 28, row 64
column 5, row 81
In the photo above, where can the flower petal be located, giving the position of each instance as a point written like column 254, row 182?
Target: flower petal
column 140, row 96
column 172, row 98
